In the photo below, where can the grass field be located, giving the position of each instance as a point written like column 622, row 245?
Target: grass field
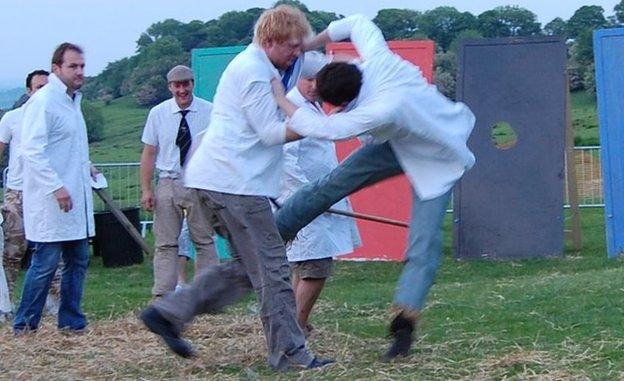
column 123, row 125
column 584, row 119
column 544, row 319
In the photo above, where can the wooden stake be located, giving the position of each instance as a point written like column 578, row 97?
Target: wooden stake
column 123, row 220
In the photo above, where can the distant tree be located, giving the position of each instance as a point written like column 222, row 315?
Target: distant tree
column 152, row 91
column 464, row 34
column 443, row 24
column 446, row 73
column 589, row 79
column 94, row 119
column 399, row 24
column 232, row 28
column 320, row 19
column 508, row 21
column 557, row 27
column 144, row 41
column 168, row 27
column 588, row 17
column 583, row 47
column 195, row 34
column 147, row 79
column 619, row 12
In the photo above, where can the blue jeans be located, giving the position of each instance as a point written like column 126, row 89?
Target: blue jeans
column 364, row 167
column 368, row 165
column 44, row 262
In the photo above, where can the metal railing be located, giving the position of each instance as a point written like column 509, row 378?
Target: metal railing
column 124, row 182
column 588, row 177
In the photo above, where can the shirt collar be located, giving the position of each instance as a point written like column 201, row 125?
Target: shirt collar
column 176, row 109
column 56, row 83
column 263, row 56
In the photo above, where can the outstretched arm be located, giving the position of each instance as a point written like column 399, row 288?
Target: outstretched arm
column 317, row 42
column 284, row 103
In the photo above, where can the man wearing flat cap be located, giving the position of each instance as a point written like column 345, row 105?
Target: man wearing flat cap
column 171, row 127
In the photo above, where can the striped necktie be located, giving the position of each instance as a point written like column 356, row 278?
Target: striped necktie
column 184, row 139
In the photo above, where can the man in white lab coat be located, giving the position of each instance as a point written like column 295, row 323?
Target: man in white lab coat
column 58, row 204
column 235, row 169
column 409, row 127
column 329, row 235
column 12, row 210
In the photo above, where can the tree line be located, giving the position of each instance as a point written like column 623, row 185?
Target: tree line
column 168, row 43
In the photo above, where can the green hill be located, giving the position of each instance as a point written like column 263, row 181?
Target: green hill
column 123, row 125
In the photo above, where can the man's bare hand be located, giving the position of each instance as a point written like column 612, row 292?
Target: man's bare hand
column 94, row 172
column 278, row 88
column 147, row 200
column 64, row 199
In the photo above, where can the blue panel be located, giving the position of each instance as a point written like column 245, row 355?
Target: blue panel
column 208, row 64
column 609, row 56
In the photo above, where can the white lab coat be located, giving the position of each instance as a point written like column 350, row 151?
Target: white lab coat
column 241, row 151
column 55, row 152
column 426, row 131
column 307, row 160
column 10, row 134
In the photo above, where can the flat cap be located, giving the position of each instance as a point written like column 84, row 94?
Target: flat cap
column 180, row 73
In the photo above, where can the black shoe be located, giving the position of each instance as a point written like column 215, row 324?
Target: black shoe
column 401, row 330
column 157, row 323
column 319, row 363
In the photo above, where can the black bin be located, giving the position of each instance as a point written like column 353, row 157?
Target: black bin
column 113, row 242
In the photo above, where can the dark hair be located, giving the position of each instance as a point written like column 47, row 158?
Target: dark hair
column 59, row 52
column 32, row 74
column 339, row 83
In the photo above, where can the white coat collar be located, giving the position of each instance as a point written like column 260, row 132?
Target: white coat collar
column 55, row 82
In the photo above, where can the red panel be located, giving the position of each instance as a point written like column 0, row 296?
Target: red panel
column 391, row 198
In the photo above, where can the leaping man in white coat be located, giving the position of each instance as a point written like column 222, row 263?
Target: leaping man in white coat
column 410, row 128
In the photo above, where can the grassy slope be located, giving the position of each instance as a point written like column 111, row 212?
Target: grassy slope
column 123, row 126
column 584, row 119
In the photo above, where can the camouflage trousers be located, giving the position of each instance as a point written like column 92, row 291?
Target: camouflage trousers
column 15, row 242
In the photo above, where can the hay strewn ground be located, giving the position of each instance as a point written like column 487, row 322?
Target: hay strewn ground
column 231, row 347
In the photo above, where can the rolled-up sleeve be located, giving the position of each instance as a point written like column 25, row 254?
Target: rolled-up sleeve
column 149, row 131
column 5, row 128
column 35, row 127
column 262, row 113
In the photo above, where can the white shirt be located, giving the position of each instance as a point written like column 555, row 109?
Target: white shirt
column 10, row 134
column 241, row 151
column 161, row 130
column 426, row 131
column 55, row 152
column 307, row 160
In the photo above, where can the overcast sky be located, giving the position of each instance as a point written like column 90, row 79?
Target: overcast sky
column 108, row 29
